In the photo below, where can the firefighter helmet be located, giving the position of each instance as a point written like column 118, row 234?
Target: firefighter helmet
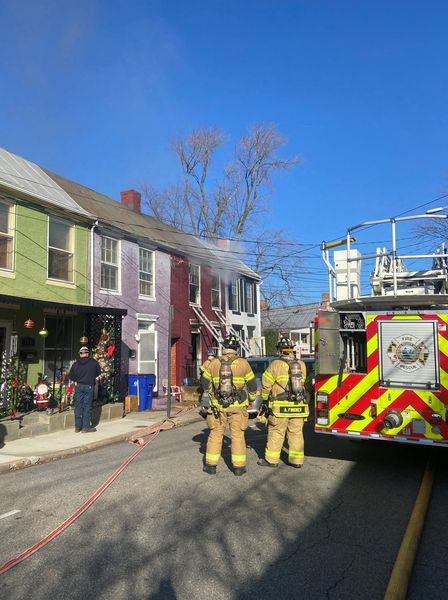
column 231, row 342
column 285, row 345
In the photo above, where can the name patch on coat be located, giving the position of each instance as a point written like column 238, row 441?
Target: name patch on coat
column 296, row 410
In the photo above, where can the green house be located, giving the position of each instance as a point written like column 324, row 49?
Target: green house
column 44, row 279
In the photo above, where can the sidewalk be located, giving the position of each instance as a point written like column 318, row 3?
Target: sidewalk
column 61, row 444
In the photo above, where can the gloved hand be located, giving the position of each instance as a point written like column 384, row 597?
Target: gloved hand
column 203, row 412
column 264, row 410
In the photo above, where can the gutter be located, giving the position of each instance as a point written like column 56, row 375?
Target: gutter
column 92, row 256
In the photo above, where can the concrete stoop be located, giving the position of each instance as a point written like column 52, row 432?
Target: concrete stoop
column 39, row 423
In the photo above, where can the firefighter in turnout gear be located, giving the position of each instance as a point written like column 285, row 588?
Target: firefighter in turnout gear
column 231, row 385
column 282, row 389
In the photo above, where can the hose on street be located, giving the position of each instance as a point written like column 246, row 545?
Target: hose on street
column 153, row 431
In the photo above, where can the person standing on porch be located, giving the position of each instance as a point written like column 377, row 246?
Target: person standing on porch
column 84, row 373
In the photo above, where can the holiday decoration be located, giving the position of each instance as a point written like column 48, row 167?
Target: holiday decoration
column 84, row 340
column 43, row 332
column 13, row 386
column 103, row 353
column 29, row 324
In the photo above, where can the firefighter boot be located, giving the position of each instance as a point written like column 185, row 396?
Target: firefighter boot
column 209, row 469
column 262, row 462
column 238, row 471
column 295, row 466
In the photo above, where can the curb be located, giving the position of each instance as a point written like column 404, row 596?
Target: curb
column 60, row 454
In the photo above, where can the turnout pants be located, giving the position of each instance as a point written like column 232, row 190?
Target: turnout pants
column 278, row 427
column 237, row 419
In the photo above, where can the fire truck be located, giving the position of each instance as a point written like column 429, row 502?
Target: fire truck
column 382, row 359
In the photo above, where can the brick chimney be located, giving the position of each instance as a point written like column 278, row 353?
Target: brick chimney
column 133, row 199
column 223, row 244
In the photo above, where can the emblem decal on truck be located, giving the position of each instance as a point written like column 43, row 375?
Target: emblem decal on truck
column 407, row 352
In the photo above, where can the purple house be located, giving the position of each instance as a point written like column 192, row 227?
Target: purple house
column 131, row 270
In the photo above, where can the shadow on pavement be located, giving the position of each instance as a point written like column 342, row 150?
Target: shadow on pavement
column 3, row 434
column 329, row 531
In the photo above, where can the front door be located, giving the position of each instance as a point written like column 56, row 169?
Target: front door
column 5, row 338
column 147, row 350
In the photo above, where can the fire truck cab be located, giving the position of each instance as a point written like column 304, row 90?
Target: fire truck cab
column 382, row 359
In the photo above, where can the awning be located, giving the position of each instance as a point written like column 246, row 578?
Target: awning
column 82, row 308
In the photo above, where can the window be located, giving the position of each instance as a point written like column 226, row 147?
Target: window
column 58, row 346
column 146, row 272
column 216, row 291
column 194, row 281
column 6, row 235
column 234, row 295
column 249, row 297
column 109, row 264
column 60, row 250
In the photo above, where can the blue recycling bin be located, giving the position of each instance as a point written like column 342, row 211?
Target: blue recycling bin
column 143, row 387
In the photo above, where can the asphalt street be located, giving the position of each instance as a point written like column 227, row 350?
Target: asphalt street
column 166, row 530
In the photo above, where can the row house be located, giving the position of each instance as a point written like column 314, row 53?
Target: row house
column 178, row 290
column 130, row 270
column 82, row 266
column 208, row 276
column 44, row 279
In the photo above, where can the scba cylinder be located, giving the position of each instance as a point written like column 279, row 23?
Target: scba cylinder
column 225, row 386
column 296, row 378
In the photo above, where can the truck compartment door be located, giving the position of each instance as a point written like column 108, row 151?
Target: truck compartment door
column 329, row 343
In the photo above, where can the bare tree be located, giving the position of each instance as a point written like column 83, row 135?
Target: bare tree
column 277, row 262
column 229, row 206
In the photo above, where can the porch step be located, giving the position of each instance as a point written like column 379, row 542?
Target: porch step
column 35, row 417
column 34, row 429
column 39, row 423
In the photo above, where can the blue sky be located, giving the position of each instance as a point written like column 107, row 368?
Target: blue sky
column 95, row 91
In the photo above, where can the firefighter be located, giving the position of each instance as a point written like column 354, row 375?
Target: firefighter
column 231, row 385
column 283, row 395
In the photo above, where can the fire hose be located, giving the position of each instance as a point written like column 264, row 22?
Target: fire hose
column 153, row 431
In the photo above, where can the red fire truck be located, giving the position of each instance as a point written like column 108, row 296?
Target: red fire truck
column 382, row 359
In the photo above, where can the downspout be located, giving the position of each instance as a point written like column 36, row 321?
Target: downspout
column 92, row 257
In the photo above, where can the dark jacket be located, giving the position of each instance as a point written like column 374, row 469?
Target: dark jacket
column 85, row 370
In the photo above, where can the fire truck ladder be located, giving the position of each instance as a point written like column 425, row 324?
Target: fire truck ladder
column 233, row 331
column 431, row 281
column 216, row 333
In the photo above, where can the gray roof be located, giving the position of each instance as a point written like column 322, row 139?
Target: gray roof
column 20, row 175
column 144, row 227
column 288, row 318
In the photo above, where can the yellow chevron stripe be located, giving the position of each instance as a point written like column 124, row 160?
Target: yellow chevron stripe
column 444, row 378
column 435, row 405
column 372, row 344
column 406, row 318
column 443, row 344
column 353, row 395
column 332, row 383
column 382, row 402
column 444, row 317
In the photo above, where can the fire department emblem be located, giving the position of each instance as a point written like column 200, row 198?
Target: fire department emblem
column 408, row 352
